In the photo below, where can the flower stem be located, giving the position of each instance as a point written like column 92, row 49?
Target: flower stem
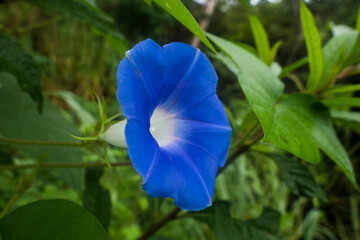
column 45, row 143
column 65, row 165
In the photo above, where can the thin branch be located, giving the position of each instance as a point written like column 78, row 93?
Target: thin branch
column 65, row 165
column 174, row 213
column 45, row 143
column 168, row 217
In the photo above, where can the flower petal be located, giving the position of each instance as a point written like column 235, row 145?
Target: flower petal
column 203, row 138
column 130, row 95
column 148, row 62
column 198, row 81
column 142, row 147
column 139, row 77
column 175, row 176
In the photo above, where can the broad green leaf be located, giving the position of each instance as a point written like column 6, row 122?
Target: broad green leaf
column 340, row 52
column 15, row 61
column 350, row 119
column 313, row 45
column 261, row 39
column 274, row 50
column 263, row 88
column 96, row 199
column 22, row 121
column 227, row 228
column 179, row 11
column 342, row 101
column 298, row 124
column 358, row 20
column 87, row 13
column 297, row 177
column 343, row 89
column 292, row 67
column 51, row 219
column 302, row 126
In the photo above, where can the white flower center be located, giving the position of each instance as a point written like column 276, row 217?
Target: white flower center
column 162, row 127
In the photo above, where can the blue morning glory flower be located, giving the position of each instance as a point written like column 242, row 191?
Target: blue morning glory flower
column 176, row 129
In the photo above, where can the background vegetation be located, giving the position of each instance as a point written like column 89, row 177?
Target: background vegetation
column 264, row 192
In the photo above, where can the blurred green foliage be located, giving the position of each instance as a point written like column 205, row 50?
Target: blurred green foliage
column 75, row 55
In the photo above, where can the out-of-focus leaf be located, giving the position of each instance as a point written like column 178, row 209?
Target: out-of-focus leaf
column 85, row 118
column 274, row 50
column 246, row 3
column 297, row 177
column 227, row 228
column 261, row 39
column 276, row 68
column 51, row 219
column 15, row 61
column 87, row 13
column 5, row 156
column 313, row 45
column 148, row 2
column 342, row 101
column 298, row 124
column 358, row 20
column 179, row 11
column 292, row 67
column 340, row 52
column 338, row 30
column 96, row 199
column 350, row 119
column 22, row 121
column 117, row 41
column 343, row 89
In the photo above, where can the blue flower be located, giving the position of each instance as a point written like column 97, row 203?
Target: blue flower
column 177, row 132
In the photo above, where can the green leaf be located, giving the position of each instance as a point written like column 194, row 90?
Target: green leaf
column 263, row 88
column 302, row 127
column 22, row 121
column 338, row 30
column 340, row 52
column 343, row 89
column 274, row 50
column 97, row 199
column 148, row 2
column 225, row 227
column 358, row 20
column 179, row 11
column 350, row 119
column 313, row 45
column 342, row 101
column 87, row 13
column 298, row 124
column 292, row 67
column 297, row 177
column 261, row 39
column 14, row 60
column 51, row 219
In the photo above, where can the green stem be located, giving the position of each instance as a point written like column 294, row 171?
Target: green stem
column 24, row 185
column 35, row 142
column 9, row 204
column 65, row 165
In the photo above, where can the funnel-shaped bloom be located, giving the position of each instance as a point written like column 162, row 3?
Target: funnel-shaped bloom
column 177, row 132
